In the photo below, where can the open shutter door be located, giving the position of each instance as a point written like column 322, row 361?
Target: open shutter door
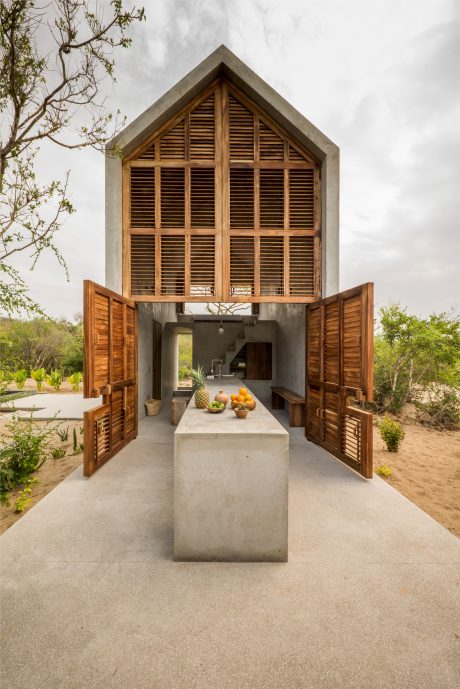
column 339, row 372
column 110, row 337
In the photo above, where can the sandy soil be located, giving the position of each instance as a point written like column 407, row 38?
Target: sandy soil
column 426, row 470
column 49, row 475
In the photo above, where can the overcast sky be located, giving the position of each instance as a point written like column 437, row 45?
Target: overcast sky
column 381, row 78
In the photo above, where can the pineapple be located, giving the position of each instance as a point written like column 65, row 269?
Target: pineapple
column 201, row 391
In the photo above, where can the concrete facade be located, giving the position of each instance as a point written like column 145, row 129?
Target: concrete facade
column 230, row 486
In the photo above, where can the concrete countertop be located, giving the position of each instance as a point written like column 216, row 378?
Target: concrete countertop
column 201, row 422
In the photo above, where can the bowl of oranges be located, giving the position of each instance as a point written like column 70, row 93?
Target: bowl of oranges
column 243, row 398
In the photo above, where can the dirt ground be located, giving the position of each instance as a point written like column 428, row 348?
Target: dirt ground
column 426, row 470
column 52, row 472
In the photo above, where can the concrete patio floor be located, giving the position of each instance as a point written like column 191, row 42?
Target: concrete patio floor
column 47, row 405
column 92, row 599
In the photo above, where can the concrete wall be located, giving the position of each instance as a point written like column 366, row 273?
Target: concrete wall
column 290, row 350
column 147, row 313
column 208, row 344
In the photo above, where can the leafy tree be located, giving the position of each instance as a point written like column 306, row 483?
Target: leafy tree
column 54, row 58
column 412, row 353
column 41, row 343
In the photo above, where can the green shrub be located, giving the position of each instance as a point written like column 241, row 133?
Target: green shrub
column 392, row 434
column 24, row 497
column 39, row 376
column 20, row 378
column 58, row 452
column 24, row 448
column 442, row 411
column 184, row 372
column 75, row 380
column 5, row 380
column 384, row 470
column 55, row 379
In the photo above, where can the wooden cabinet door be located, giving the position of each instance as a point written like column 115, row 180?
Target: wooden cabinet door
column 110, row 370
column 339, row 371
column 259, row 361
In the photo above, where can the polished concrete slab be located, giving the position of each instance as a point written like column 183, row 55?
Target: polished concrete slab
column 230, row 485
column 91, row 598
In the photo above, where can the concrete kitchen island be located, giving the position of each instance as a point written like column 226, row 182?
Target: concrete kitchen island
column 230, row 484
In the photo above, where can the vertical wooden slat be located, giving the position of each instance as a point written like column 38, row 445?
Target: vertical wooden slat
column 256, row 266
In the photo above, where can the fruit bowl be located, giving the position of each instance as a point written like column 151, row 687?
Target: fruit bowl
column 215, row 410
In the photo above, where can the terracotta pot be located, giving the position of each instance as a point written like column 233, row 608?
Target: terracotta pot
column 221, row 397
column 241, row 413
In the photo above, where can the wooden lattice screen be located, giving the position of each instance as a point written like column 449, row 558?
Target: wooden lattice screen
column 110, row 334
column 221, row 205
column 339, row 371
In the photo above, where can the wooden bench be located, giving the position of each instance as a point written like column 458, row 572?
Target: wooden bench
column 295, row 402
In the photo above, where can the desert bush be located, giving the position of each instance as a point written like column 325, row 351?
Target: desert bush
column 75, row 380
column 55, row 379
column 441, row 410
column 24, row 497
column 392, row 434
column 384, row 470
column 43, row 342
column 39, row 376
column 24, row 448
column 20, row 378
column 412, row 353
column 58, row 452
column 5, row 379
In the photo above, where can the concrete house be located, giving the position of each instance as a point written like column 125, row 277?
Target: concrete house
column 224, row 193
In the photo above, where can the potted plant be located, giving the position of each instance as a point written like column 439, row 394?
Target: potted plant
column 241, row 411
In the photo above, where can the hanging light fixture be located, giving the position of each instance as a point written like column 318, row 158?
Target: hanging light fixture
column 221, row 328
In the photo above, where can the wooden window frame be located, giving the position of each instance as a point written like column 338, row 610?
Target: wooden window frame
column 222, row 88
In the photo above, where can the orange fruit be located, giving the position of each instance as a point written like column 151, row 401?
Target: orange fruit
column 240, row 398
column 234, row 397
column 243, row 391
column 247, row 398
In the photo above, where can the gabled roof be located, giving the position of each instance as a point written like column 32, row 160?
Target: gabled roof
column 223, row 61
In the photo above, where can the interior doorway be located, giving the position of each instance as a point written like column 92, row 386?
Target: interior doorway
column 184, row 358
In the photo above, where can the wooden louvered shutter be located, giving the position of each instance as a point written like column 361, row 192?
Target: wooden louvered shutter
column 142, row 197
column 202, row 266
column 172, row 197
column 339, row 373
column 172, row 144
column 110, row 370
column 223, row 171
column 173, row 265
column 302, row 266
column 241, row 122
column 202, row 131
column 271, row 266
column 241, row 266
